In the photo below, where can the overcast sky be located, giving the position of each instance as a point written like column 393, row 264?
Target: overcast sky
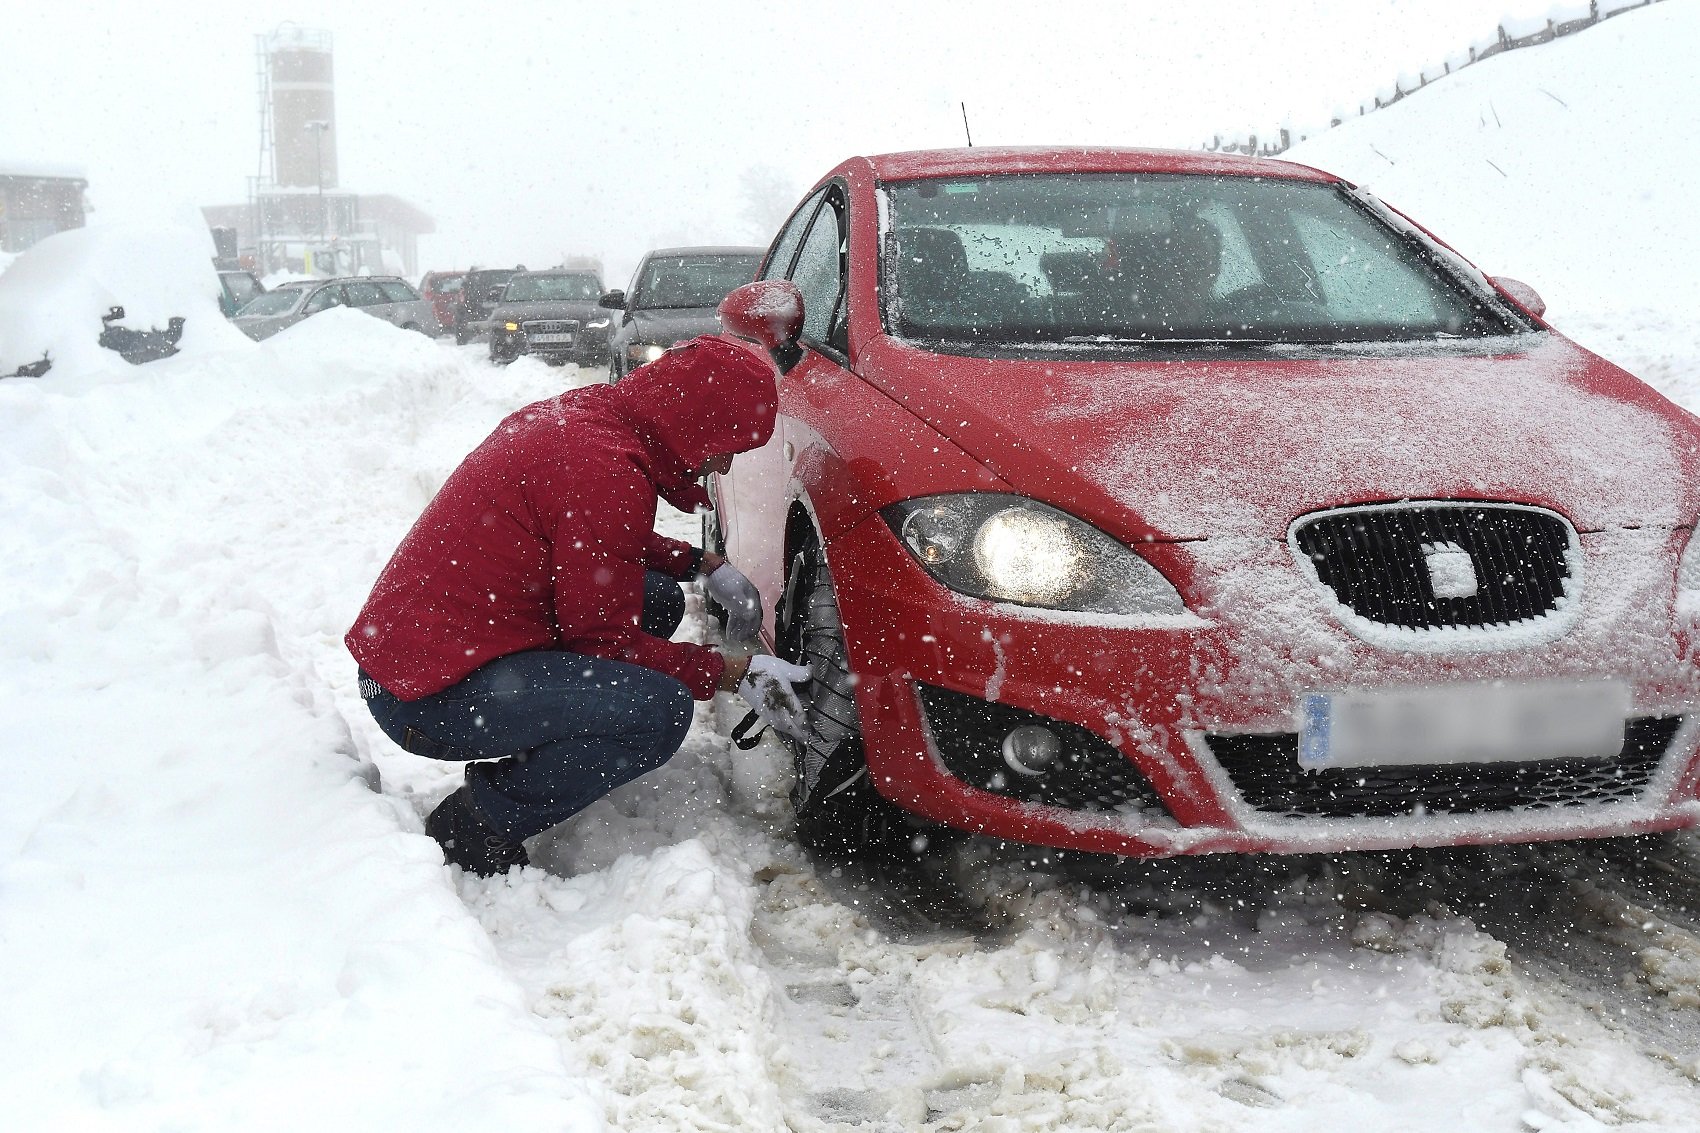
column 530, row 129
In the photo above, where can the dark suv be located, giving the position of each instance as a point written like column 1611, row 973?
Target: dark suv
column 553, row 315
column 673, row 298
column 480, row 290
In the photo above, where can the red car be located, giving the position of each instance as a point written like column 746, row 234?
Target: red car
column 1161, row 503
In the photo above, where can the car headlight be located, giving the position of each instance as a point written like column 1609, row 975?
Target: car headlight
column 1688, row 566
column 1014, row 549
column 596, row 324
column 641, row 352
column 510, row 326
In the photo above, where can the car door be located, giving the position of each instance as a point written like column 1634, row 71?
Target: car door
column 323, row 299
column 410, row 308
column 367, row 296
column 810, row 253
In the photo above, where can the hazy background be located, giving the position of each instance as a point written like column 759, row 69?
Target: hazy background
column 532, row 130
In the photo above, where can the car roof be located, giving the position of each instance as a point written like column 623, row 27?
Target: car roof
column 986, row 160
column 556, row 271
column 706, row 250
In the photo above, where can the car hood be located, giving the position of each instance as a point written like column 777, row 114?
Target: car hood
column 1188, row 449
column 667, row 325
column 583, row 310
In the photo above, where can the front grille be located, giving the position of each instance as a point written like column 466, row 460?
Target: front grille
column 1378, row 561
column 551, row 326
column 1265, row 770
column 1090, row 775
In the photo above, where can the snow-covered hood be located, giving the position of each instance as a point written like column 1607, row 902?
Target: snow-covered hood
column 667, row 325
column 1188, row 449
column 583, row 310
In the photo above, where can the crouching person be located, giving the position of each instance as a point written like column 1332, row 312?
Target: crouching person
column 524, row 620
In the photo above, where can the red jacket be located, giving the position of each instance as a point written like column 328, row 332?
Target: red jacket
column 540, row 539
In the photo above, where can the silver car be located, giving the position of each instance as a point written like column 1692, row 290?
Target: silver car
column 391, row 299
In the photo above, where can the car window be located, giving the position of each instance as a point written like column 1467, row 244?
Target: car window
column 1101, row 259
column 486, row 287
column 363, row 294
column 323, row 299
column 690, row 281
column 395, row 291
column 819, row 274
column 278, row 302
column 448, row 286
column 785, row 247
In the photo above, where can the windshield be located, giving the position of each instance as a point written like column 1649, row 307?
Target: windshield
column 535, row 288
column 278, row 302
column 692, row 281
column 1085, row 259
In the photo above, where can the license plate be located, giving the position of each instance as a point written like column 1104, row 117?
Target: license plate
column 565, row 339
column 1462, row 724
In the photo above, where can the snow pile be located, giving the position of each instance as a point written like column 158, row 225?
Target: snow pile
column 212, row 923
column 53, row 296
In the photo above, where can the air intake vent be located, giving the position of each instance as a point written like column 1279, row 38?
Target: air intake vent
column 1265, row 769
column 1435, row 565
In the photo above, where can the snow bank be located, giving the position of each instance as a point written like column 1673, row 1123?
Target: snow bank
column 1552, row 164
column 52, row 298
column 211, row 922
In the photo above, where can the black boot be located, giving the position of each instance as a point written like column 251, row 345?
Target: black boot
column 468, row 842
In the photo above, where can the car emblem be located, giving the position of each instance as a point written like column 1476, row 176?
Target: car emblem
column 1451, row 571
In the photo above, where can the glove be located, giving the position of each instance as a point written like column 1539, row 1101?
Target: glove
column 740, row 599
column 768, row 688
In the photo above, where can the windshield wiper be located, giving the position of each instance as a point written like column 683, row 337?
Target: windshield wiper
column 1111, row 340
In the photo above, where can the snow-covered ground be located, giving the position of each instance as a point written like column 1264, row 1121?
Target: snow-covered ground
column 211, row 920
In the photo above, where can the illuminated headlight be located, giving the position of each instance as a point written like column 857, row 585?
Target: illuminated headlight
column 641, row 352
column 510, row 326
column 1014, row 549
column 596, row 324
column 1688, row 567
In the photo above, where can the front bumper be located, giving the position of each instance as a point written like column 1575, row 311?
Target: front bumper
column 1200, row 711
column 543, row 340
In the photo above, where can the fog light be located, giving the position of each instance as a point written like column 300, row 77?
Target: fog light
column 1031, row 749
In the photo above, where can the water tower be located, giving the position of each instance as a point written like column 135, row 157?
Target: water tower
column 301, row 106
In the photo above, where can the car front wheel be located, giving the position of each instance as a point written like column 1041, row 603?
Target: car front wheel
column 838, row 811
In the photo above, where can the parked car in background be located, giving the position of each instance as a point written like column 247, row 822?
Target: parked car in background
column 672, row 298
column 553, row 315
column 1153, row 503
column 480, row 290
column 385, row 297
column 442, row 290
column 237, row 288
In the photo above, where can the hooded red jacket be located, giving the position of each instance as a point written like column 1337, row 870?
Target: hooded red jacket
column 540, row 539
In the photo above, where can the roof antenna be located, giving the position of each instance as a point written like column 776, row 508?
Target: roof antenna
column 965, row 129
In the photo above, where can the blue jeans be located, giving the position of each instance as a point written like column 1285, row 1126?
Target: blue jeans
column 560, row 729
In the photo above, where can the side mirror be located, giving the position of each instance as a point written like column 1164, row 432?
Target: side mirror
column 613, row 300
column 770, row 312
column 1527, row 297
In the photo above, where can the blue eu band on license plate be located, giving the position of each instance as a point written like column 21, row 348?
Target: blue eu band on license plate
column 1476, row 723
